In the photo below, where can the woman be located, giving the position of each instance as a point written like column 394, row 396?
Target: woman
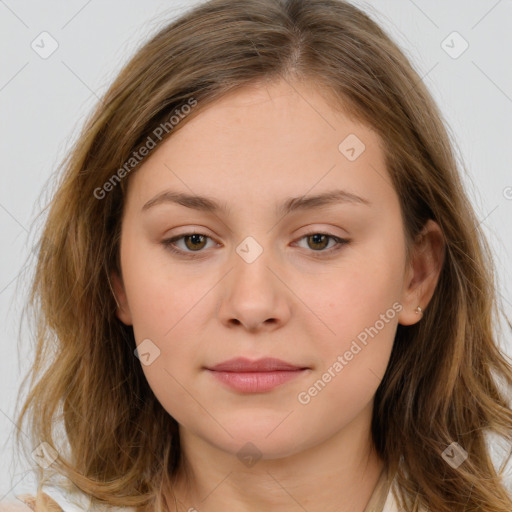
column 267, row 371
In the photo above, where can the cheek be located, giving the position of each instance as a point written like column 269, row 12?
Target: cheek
column 352, row 361
column 359, row 317
column 167, row 307
column 161, row 297
column 344, row 303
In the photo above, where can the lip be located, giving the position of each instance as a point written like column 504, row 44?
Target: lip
column 266, row 364
column 248, row 376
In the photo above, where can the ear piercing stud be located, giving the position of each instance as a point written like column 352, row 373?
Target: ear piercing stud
column 419, row 311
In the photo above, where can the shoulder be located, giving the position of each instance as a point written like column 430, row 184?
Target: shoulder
column 58, row 498
column 27, row 503
column 14, row 506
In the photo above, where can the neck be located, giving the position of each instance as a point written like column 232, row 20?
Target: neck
column 337, row 475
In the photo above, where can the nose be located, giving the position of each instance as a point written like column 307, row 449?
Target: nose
column 255, row 297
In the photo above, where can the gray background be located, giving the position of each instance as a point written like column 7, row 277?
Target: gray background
column 43, row 103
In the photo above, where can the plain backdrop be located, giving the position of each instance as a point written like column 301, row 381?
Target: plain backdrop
column 43, row 102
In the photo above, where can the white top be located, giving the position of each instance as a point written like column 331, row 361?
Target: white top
column 68, row 501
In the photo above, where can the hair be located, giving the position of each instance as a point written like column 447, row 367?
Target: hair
column 447, row 378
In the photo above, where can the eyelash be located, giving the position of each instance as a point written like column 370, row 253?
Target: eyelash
column 169, row 245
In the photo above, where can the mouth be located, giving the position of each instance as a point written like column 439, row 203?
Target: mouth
column 248, row 376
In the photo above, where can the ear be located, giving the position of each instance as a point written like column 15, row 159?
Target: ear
column 122, row 311
column 422, row 272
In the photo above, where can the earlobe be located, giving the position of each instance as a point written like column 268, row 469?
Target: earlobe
column 427, row 258
column 122, row 310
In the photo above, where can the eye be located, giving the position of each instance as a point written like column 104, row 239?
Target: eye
column 195, row 242
column 319, row 241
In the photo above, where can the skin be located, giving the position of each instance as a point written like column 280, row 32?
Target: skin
column 252, row 149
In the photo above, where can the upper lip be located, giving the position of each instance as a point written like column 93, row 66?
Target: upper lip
column 241, row 364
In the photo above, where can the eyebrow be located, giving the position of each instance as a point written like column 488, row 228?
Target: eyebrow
column 211, row 205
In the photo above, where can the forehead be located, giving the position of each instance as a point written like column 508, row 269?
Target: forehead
column 268, row 141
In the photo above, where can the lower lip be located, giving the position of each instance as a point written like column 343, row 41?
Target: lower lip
column 256, row 382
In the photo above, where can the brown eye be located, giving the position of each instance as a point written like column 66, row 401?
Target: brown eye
column 197, row 241
column 319, row 241
column 193, row 242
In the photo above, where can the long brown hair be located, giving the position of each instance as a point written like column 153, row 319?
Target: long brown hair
column 441, row 384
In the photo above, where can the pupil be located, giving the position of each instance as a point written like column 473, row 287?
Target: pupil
column 315, row 238
column 194, row 240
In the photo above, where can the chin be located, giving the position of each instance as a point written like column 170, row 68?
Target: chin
column 268, row 437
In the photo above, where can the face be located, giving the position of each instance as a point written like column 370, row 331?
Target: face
column 321, row 285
